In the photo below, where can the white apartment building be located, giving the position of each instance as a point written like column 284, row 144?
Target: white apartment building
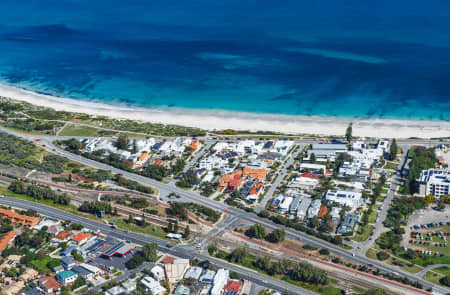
column 345, row 198
column 435, row 182
column 220, row 280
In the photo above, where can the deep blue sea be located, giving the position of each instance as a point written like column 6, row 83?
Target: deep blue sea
column 342, row 58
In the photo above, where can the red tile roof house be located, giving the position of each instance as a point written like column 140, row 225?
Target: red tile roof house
column 81, row 238
column 310, row 175
column 49, row 284
column 233, row 286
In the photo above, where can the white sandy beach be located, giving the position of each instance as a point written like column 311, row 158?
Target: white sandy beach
column 219, row 120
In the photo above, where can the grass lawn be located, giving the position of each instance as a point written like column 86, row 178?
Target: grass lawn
column 390, row 165
column 362, row 234
column 25, row 132
column 78, row 130
column 372, row 254
column 373, row 216
column 443, row 270
column 41, row 264
column 433, row 277
column 324, row 290
column 148, row 229
column 69, row 208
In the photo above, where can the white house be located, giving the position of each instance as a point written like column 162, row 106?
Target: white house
column 220, row 280
column 153, row 286
column 158, row 273
column 345, row 198
column 314, row 208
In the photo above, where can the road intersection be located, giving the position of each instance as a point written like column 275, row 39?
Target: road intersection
column 166, row 189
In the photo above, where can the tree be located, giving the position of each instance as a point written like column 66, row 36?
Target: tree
column 324, row 251
column 429, row 199
column 17, row 187
column 256, row 231
column 122, row 142
column 348, row 132
column 445, row 281
column 170, row 227
column 381, row 255
column 276, row 236
column 238, row 255
column 80, row 281
column 312, row 158
column 135, row 148
column 393, row 150
column 150, row 251
column 187, row 232
column 175, row 227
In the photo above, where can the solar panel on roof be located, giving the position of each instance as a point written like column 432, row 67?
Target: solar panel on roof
column 113, row 249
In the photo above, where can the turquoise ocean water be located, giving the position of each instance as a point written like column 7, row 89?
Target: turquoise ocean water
column 389, row 59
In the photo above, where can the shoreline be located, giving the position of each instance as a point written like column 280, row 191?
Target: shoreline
column 222, row 119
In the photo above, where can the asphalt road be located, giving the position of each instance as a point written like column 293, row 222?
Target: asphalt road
column 165, row 189
column 282, row 173
column 163, row 246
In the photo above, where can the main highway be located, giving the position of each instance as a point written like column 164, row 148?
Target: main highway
column 163, row 246
column 165, row 189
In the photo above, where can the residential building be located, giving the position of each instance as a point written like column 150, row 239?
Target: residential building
column 302, row 209
column 303, row 183
column 285, row 204
column 82, row 272
column 62, row 237
column 315, row 168
column 231, row 181
column 93, row 270
column 282, row 146
column 6, row 239
column 233, row 287
column 175, row 271
column 335, row 214
column 294, row 205
column 67, row 251
column 322, row 212
column 153, row 286
column 182, row 290
column 355, row 170
column 435, row 182
column 212, row 162
column 194, row 272
column 314, row 208
column 81, row 238
column 345, row 198
column 259, row 174
column 17, row 218
column 117, row 290
column 208, row 277
column 67, row 262
column 220, row 280
column 66, row 277
column 158, row 273
column 48, row 284
column 347, row 223
column 129, row 286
